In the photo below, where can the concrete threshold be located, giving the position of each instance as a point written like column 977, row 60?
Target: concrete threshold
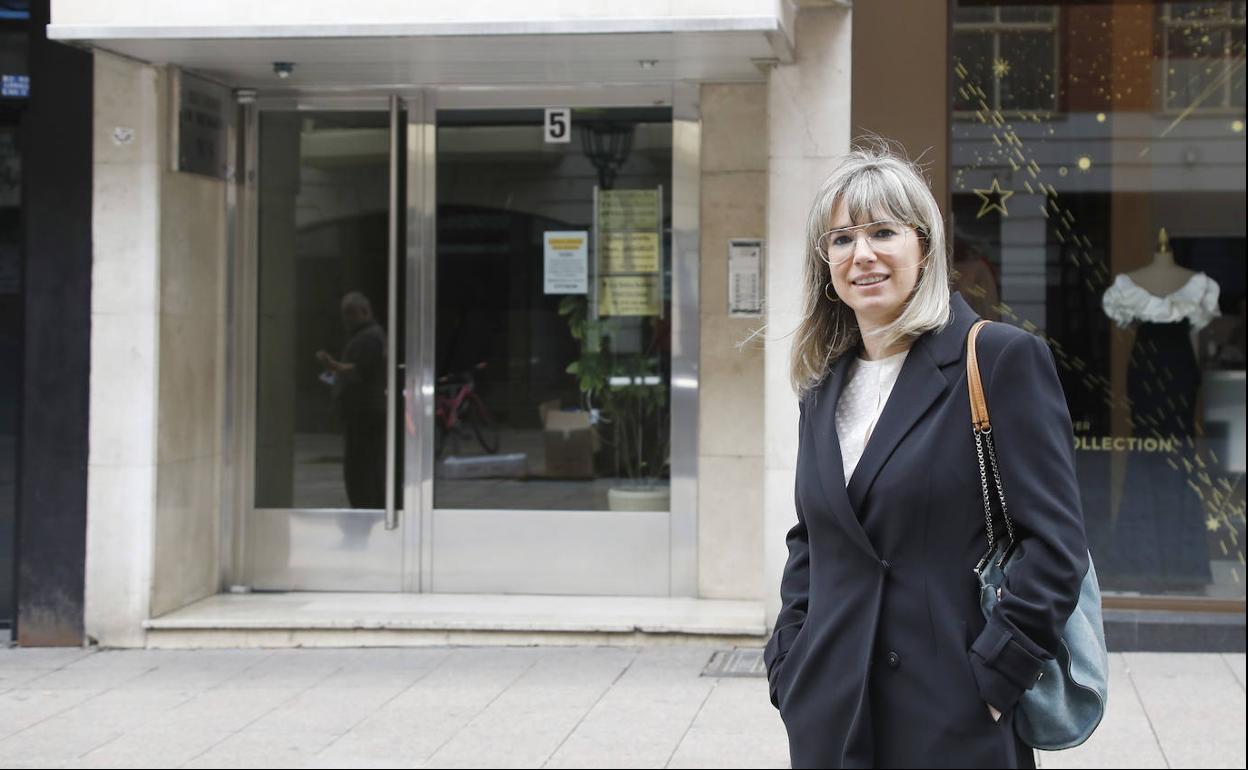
column 308, row 619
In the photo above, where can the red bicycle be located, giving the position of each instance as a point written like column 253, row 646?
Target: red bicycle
column 459, row 410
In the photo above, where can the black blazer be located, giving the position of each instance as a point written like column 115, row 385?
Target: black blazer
column 881, row 656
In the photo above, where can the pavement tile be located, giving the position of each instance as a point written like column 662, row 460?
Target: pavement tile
column 1188, row 697
column 52, row 741
column 332, row 711
column 736, row 727
column 154, row 749
column 608, row 706
column 218, row 710
column 534, row 715
column 21, row 708
column 262, row 749
column 40, row 657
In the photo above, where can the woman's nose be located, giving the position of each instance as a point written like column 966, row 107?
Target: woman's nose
column 862, row 250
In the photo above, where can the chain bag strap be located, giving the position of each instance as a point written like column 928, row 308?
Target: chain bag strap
column 1067, row 700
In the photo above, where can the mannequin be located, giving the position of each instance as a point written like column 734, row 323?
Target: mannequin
column 1162, row 276
column 1159, row 533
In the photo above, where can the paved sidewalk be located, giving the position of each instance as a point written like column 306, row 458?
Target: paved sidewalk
column 514, row 707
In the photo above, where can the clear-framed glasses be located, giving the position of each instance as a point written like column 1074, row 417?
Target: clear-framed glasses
column 885, row 236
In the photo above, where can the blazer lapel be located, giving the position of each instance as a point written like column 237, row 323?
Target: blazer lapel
column 920, row 383
column 827, row 451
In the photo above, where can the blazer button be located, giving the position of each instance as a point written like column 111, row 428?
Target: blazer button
column 892, row 659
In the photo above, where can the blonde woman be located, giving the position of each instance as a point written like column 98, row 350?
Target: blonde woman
column 881, row 656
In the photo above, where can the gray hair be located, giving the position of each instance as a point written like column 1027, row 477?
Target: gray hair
column 354, row 300
column 875, row 180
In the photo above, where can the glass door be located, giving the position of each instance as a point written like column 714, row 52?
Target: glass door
column 473, row 354
column 552, row 423
column 328, row 415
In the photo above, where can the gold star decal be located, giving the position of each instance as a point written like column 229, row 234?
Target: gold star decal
column 1000, row 68
column 994, row 198
column 1212, row 524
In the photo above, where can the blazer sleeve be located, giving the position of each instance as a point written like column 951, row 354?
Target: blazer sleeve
column 1035, row 447
column 794, row 586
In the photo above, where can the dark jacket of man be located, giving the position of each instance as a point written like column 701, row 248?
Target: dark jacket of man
column 360, row 394
column 363, row 388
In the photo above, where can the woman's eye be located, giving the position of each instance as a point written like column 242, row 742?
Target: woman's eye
column 885, row 233
column 841, row 240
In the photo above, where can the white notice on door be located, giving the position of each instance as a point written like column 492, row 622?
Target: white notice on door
column 745, row 276
column 567, row 261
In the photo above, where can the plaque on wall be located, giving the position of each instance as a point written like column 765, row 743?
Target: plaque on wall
column 745, row 277
column 204, row 113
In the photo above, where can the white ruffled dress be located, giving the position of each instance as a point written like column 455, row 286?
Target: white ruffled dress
column 1125, row 302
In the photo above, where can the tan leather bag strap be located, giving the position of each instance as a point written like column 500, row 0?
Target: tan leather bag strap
column 985, row 450
column 979, row 404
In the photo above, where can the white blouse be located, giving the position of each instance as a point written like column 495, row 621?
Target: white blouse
column 1125, row 302
column 867, row 387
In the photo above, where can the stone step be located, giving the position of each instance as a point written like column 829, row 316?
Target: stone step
column 308, row 619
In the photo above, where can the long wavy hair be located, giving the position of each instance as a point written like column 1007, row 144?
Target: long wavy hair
column 875, row 181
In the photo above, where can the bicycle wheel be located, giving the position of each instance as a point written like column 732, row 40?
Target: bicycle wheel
column 483, row 425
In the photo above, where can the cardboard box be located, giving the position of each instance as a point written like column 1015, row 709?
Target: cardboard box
column 545, row 408
column 569, row 439
column 555, row 405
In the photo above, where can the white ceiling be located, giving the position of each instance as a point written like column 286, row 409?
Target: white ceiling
column 374, row 61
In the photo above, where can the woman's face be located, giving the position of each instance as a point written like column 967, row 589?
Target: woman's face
column 873, row 268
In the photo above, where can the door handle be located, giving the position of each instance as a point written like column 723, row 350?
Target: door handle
column 392, row 513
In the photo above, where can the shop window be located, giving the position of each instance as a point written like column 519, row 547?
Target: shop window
column 1204, row 55
column 1103, row 211
column 1002, row 50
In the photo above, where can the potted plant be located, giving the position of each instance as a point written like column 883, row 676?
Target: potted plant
column 629, row 392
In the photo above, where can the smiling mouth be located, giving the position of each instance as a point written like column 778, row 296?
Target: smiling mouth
column 870, row 280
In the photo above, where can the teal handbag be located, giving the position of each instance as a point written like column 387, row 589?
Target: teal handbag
column 1067, row 702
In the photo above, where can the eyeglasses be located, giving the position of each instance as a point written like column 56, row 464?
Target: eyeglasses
column 885, row 236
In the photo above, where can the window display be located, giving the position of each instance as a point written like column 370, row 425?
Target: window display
column 1098, row 197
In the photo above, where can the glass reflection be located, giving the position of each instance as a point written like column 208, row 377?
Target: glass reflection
column 1082, row 132
column 553, row 315
column 321, row 358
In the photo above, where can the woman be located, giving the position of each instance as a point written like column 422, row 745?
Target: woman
column 881, row 656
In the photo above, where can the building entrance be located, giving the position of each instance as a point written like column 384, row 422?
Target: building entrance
column 461, row 318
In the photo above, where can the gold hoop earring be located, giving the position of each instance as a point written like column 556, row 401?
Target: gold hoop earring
column 825, row 293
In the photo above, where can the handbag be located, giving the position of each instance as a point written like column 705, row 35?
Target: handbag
column 1067, row 702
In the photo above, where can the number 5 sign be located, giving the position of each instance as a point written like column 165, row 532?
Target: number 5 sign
column 558, row 125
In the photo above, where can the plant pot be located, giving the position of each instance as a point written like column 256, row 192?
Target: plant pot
column 639, row 498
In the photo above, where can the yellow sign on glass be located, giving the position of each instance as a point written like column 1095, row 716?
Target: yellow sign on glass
column 628, row 295
column 630, row 252
column 628, row 210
